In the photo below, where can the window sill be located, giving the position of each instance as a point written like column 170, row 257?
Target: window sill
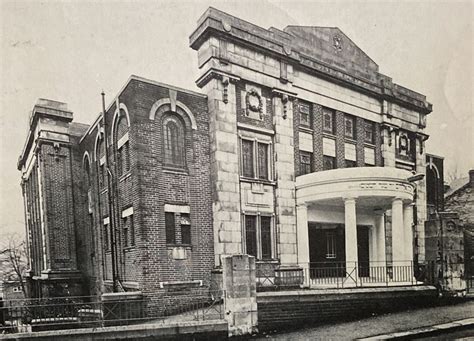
column 125, row 176
column 349, row 140
column 370, row 145
column 266, row 261
column 329, row 135
column 262, row 181
column 187, row 246
column 175, row 170
column 306, row 129
column 129, row 248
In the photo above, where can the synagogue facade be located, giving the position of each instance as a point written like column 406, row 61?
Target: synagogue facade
column 297, row 151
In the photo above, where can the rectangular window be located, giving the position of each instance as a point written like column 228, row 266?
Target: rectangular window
column 258, row 236
column 305, row 162
column 349, row 127
column 369, row 132
column 132, row 230
column 329, row 162
column 328, row 121
column 266, row 236
column 262, row 161
column 330, row 245
column 125, row 238
column 128, row 231
column 350, row 163
column 185, row 229
column 101, row 176
column 106, row 237
column 255, row 154
column 247, row 159
column 251, row 234
column 170, row 228
column 305, row 119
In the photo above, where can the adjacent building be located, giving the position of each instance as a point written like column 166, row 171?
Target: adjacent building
column 297, row 151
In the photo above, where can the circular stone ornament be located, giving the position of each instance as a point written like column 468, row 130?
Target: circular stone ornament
column 254, row 101
column 227, row 26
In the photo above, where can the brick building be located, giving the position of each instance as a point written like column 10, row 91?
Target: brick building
column 298, row 152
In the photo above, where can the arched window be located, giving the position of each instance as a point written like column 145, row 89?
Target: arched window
column 122, row 144
column 173, row 142
column 87, row 170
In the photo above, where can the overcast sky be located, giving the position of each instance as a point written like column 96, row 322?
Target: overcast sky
column 70, row 51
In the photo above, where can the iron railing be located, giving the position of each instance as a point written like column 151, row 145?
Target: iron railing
column 359, row 274
column 27, row 315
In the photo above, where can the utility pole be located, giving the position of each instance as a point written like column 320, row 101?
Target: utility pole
column 109, row 197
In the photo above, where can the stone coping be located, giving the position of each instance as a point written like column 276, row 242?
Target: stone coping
column 313, row 292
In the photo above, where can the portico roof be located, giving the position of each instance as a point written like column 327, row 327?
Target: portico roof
column 373, row 187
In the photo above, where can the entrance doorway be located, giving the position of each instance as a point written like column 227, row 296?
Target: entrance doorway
column 327, row 250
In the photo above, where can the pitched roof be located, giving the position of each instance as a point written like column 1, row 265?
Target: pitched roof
column 456, row 185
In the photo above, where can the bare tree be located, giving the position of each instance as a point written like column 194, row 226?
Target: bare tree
column 13, row 260
column 453, row 174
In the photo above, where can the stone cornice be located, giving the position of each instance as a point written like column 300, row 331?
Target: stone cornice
column 279, row 44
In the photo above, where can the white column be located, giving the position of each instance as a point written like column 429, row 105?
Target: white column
column 408, row 232
column 350, row 219
column 380, row 230
column 303, row 240
column 398, row 239
column 379, row 268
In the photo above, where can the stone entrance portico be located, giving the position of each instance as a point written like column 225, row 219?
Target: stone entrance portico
column 357, row 198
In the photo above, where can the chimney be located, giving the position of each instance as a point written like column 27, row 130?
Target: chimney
column 471, row 178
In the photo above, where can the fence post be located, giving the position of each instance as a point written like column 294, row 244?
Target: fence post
column 240, row 287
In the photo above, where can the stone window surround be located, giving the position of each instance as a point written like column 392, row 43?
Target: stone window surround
column 258, row 216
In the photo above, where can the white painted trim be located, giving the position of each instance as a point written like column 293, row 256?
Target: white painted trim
column 86, row 155
column 179, row 104
column 96, row 144
column 122, row 141
column 177, row 208
column 127, row 212
column 123, row 107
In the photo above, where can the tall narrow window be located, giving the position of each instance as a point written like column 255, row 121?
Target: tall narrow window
column 328, row 121
column 349, row 126
column 106, row 237
column 101, row 163
column 369, row 129
column 251, row 234
column 305, row 118
column 247, row 159
column 132, row 230
column 262, row 161
column 170, row 228
column 173, row 142
column 330, row 245
column 266, row 236
column 185, row 228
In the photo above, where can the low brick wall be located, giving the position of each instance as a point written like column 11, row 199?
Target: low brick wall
column 277, row 310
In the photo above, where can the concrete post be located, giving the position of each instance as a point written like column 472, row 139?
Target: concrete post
column 239, row 281
column 303, row 240
column 351, row 237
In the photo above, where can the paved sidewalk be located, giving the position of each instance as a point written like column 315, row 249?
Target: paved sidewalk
column 383, row 324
